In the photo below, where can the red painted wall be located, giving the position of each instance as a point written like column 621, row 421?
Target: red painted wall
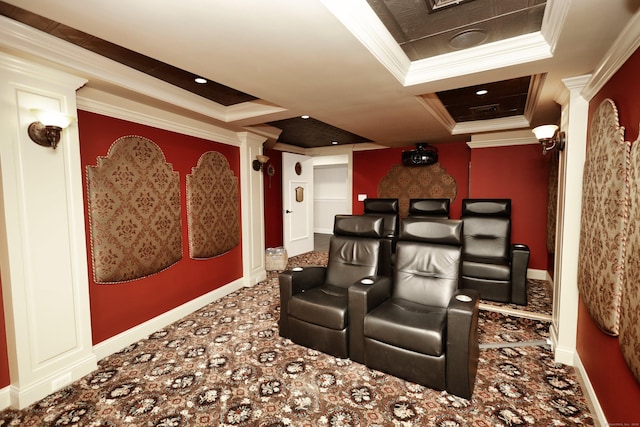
column 369, row 167
column 116, row 308
column 519, row 173
column 273, row 201
column 5, row 379
column 615, row 386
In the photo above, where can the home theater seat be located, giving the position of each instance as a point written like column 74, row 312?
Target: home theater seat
column 427, row 330
column 490, row 263
column 314, row 301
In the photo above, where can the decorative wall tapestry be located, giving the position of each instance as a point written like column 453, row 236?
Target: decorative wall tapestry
column 212, row 207
column 417, row 182
column 604, row 218
column 630, row 304
column 134, row 212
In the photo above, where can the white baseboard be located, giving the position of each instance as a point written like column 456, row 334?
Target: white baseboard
column 5, row 398
column 130, row 336
column 590, row 393
column 538, row 274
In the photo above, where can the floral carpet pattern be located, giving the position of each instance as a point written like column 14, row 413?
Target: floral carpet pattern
column 225, row 365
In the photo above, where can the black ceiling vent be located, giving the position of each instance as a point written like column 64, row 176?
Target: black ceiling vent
column 423, row 155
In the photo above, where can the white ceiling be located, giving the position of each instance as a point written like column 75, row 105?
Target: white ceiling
column 334, row 60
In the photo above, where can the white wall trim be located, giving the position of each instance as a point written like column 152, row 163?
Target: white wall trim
column 95, row 101
column 625, row 45
column 490, row 125
column 143, row 330
column 18, row 36
column 502, row 139
column 587, row 388
column 360, row 19
column 536, row 274
column 365, row 25
column 505, row 53
column 5, row 398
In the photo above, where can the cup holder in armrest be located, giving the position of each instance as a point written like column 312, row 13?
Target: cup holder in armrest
column 366, row 281
column 464, row 298
column 296, row 269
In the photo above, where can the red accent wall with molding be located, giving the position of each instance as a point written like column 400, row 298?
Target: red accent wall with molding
column 119, row 307
column 617, row 390
column 516, row 172
column 369, row 167
column 519, row 173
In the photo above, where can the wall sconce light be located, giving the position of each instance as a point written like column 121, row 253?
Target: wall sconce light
column 46, row 131
column 259, row 162
column 550, row 137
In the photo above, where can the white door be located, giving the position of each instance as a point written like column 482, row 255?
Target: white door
column 297, row 200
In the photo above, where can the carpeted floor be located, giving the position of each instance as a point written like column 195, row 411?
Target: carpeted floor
column 225, row 365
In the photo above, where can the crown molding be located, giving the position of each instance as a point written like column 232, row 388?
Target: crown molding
column 625, row 45
column 96, row 68
column 432, row 103
column 490, row 56
column 365, row 25
column 358, row 17
column 503, row 139
column 491, row 125
column 95, row 101
column 535, row 88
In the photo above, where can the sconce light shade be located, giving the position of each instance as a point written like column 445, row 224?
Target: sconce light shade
column 545, row 131
column 549, row 137
column 46, row 131
column 259, row 162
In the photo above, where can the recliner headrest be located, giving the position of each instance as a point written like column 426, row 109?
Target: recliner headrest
column 429, row 207
column 358, row 225
column 486, row 207
column 432, row 230
column 381, row 205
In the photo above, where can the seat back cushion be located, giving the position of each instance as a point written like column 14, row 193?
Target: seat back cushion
column 426, row 273
column 486, row 207
column 358, row 226
column 354, row 249
column 487, row 237
column 388, row 210
column 351, row 259
column 380, row 205
column 429, row 207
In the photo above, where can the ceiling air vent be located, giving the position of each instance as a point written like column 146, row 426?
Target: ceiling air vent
column 484, row 109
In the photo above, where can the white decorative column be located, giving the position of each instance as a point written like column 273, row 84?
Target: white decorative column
column 253, row 240
column 575, row 110
column 43, row 258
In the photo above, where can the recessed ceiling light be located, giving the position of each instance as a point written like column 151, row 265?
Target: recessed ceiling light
column 200, row 80
column 304, row 117
column 482, row 92
column 334, row 142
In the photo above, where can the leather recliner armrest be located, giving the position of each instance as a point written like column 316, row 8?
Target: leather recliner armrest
column 519, row 263
column 293, row 282
column 362, row 299
column 462, row 342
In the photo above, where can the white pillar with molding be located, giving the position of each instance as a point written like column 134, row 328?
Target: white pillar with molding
column 253, row 239
column 574, row 121
column 43, row 258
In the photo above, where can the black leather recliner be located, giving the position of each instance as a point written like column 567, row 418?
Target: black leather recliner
column 389, row 210
column 314, row 300
column 424, row 329
column 432, row 208
column 490, row 263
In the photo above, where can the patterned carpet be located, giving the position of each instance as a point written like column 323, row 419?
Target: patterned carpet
column 225, row 365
